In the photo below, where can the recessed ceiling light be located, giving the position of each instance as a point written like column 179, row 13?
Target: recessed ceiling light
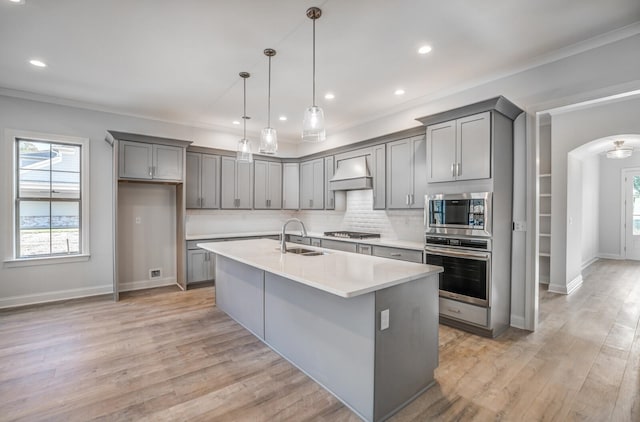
column 282, row 118
column 425, row 49
column 329, row 96
column 17, row 1
column 399, row 91
column 235, row 122
column 38, row 63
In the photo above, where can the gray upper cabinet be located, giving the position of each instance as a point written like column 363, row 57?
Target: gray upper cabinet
column 237, row 184
column 459, row 149
column 379, row 177
column 291, row 186
column 312, row 184
column 329, row 195
column 139, row 160
column 268, row 185
column 406, row 173
column 202, row 180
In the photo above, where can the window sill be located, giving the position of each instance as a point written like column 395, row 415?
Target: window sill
column 49, row 260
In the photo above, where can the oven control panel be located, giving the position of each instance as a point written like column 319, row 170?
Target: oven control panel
column 457, row 242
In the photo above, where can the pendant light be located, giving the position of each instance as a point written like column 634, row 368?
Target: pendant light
column 619, row 150
column 313, row 123
column 269, row 136
column 244, row 145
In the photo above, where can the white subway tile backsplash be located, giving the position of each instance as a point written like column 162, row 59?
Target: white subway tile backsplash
column 358, row 216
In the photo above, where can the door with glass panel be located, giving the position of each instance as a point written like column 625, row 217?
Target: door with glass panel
column 632, row 214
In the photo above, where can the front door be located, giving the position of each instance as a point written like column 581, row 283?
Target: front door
column 632, row 214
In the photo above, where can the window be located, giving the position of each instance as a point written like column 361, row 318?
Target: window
column 636, row 205
column 50, row 196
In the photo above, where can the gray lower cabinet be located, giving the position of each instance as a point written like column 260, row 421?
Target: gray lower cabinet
column 397, row 253
column 406, row 173
column 301, row 240
column 200, row 263
column 291, row 186
column 267, row 185
column 379, row 161
column 237, row 184
column 202, row 181
column 329, row 171
column 312, row 185
column 340, row 246
column 140, row 160
column 364, row 249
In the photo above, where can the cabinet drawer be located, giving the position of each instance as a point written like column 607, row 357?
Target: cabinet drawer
column 464, row 311
column 364, row 249
column 339, row 246
column 396, row 253
column 299, row 239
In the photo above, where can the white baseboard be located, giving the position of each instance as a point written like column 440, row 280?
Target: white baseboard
column 610, row 256
column 589, row 262
column 147, row 284
column 32, row 299
column 568, row 288
column 517, row 321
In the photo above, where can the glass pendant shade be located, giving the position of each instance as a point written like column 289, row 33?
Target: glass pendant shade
column 313, row 125
column 268, row 141
column 244, row 151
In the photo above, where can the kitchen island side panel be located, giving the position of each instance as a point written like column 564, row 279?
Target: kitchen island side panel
column 240, row 293
column 407, row 351
column 330, row 338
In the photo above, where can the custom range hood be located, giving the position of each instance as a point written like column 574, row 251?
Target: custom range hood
column 352, row 174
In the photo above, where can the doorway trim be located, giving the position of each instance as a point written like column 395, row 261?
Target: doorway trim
column 623, row 209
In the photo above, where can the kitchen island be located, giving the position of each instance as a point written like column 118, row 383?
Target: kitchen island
column 365, row 328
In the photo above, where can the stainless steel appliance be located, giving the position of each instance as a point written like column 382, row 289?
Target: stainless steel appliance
column 464, row 214
column 467, row 267
column 352, row 235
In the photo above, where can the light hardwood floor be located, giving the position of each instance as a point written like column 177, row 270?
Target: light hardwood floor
column 165, row 355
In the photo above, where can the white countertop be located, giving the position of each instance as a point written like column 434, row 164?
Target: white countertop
column 417, row 246
column 340, row 273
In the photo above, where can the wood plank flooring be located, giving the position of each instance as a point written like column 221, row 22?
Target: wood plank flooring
column 166, row 355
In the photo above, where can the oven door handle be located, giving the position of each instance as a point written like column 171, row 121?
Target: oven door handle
column 457, row 253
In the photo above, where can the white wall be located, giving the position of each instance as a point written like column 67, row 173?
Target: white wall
column 569, row 131
column 610, row 203
column 590, row 209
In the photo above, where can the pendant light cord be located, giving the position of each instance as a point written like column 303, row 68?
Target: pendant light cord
column 269, row 97
column 244, row 110
column 314, row 62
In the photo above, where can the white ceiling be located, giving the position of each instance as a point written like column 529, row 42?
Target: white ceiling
column 178, row 61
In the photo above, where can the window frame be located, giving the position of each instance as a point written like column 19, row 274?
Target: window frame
column 12, row 257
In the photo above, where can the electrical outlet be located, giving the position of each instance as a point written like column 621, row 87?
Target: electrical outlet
column 384, row 319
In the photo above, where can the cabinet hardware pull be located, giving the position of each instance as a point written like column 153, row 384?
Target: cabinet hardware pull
column 453, row 172
column 459, row 167
column 151, row 171
column 412, row 200
column 396, row 254
column 311, row 203
column 456, row 311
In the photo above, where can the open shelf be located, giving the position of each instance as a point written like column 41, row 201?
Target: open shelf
column 545, row 175
column 545, row 254
column 545, row 234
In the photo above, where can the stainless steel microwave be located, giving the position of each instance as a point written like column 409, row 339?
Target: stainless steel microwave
column 467, row 214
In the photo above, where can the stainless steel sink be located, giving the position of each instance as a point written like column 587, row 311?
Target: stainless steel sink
column 306, row 252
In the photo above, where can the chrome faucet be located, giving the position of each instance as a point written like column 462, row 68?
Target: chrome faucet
column 283, row 238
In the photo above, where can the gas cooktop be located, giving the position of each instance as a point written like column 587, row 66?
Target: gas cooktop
column 352, row 235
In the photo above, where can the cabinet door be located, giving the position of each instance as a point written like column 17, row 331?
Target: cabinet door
column 228, row 183
column 318, row 184
column 167, row 162
column 399, row 176
column 441, row 152
column 291, row 186
column 379, row 177
column 135, row 160
column 244, row 185
column 192, row 182
column 261, row 187
column 419, row 172
column 306, row 185
column 275, row 186
column 197, row 266
column 210, row 181
column 329, row 170
column 474, row 147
